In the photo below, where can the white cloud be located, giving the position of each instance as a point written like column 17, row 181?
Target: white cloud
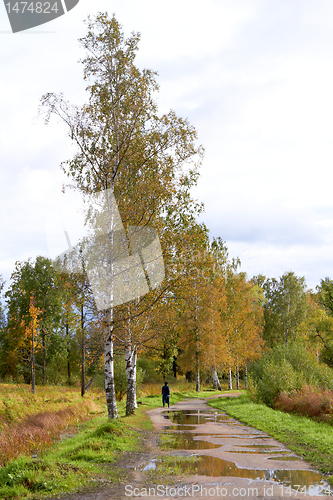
column 255, row 79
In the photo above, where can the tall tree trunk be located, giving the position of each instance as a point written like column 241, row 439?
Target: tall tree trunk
column 229, row 379
column 33, row 362
column 83, row 357
column 197, row 385
column 109, row 369
column 174, row 368
column 130, row 360
column 68, row 352
column 237, row 377
column 245, row 377
column 108, row 346
column 197, row 382
column 216, row 381
column 44, row 356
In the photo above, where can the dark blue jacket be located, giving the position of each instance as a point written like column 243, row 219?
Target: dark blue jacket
column 165, row 391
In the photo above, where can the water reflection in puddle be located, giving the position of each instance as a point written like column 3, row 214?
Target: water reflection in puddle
column 150, row 466
column 181, row 427
column 257, row 446
column 258, row 452
column 186, row 441
column 192, row 441
column 206, row 465
column 181, row 417
column 192, row 412
column 310, row 481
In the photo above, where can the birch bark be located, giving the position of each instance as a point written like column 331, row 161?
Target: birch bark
column 109, row 370
column 216, row 381
column 130, row 360
column 197, row 383
column 229, row 379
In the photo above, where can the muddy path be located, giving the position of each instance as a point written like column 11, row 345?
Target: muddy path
column 227, row 459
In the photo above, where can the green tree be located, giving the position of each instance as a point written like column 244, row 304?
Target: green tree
column 39, row 279
column 285, row 307
column 147, row 161
column 325, row 294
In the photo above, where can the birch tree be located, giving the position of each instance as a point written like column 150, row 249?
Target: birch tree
column 148, row 162
column 285, row 307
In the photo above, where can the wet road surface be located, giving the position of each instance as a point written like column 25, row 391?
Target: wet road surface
column 233, row 460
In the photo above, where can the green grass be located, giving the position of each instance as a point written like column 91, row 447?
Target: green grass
column 72, row 464
column 81, row 460
column 310, row 439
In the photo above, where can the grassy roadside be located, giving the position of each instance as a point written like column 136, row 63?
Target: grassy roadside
column 17, row 402
column 310, row 439
column 80, row 461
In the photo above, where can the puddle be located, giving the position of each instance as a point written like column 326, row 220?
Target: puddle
column 258, row 452
column 310, row 481
column 196, row 412
column 186, row 441
column 150, row 466
column 307, row 481
column 184, row 417
column 257, row 446
column 181, row 427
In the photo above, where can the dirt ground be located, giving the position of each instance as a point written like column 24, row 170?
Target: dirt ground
column 227, row 440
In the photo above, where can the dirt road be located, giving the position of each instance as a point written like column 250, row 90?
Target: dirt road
column 232, row 460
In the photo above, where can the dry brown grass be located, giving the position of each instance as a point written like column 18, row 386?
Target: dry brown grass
column 35, row 432
column 310, row 401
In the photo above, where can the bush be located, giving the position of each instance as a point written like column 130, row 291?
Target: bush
column 309, row 401
column 150, row 370
column 285, row 369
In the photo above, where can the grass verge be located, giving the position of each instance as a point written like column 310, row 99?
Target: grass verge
column 310, row 439
column 81, row 461
column 71, row 464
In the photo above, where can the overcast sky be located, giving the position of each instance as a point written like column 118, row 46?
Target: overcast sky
column 255, row 77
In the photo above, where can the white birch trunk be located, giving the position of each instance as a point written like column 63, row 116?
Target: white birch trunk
column 230, row 379
column 130, row 360
column 245, row 377
column 216, row 381
column 109, row 371
column 109, row 356
column 197, row 384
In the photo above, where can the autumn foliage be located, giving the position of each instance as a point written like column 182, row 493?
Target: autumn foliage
column 309, row 401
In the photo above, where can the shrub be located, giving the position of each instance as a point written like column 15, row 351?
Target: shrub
column 309, row 401
column 285, row 369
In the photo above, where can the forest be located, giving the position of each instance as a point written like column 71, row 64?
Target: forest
column 205, row 320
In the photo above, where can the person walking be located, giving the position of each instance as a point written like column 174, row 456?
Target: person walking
column 165, row 394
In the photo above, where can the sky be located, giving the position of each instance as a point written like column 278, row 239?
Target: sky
column 254, row 77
